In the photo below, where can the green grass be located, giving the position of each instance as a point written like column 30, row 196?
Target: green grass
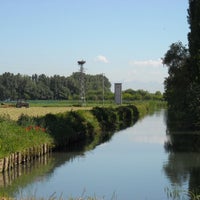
column 63, row 103
column 145, row 107
column 68, row 103
column 14, row 138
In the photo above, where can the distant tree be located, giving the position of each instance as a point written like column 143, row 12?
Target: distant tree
column 131, row 95
column 56, row 87
column 127, row 96
column 130, row 91
column 59, row 87
column 158, row 95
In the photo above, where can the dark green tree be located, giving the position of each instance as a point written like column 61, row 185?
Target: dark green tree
column 182, row 87
column 19, row 86
column 193, row 38
column 176, row 83
column 194, row 65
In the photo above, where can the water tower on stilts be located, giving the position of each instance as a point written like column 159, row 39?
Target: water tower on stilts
column 82, row 82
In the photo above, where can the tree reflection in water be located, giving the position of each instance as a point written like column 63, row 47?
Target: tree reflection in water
column 12, row 181
column 183, row 165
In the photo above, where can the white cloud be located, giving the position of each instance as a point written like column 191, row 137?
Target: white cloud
column 146, row 63
column 101, row 58
column 146, row 70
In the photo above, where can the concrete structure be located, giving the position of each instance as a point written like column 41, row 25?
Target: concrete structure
column 118, row 93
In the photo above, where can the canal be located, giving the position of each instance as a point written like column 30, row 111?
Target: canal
column 133, row 164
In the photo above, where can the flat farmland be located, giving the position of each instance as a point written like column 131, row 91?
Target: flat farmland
column 14, row 113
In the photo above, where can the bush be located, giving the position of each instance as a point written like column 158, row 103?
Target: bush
column 107, row 117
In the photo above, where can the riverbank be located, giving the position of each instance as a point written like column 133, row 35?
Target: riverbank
column 21, row 144
column 83, row 126
column 64, row 130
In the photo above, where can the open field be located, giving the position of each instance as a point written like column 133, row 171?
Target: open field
column 14, row 113
column 43, row 107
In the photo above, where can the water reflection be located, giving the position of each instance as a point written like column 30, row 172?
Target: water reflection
column 152, row 130
column 183, row 164
column 127, row 164
column 19, row 177
column 183, row 169
column 12, row 181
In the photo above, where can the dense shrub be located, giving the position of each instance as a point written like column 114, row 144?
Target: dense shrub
column 70, row 127
column 83, row 125
column 128, row 115
column 107, row 117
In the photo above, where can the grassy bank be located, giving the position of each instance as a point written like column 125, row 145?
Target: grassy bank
column 83, row 125
column 14, row 138
column 43, row 107
column 66, row 127
column 87, row 128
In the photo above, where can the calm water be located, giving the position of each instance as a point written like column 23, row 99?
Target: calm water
column 132, row 165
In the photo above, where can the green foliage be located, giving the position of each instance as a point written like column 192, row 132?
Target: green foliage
column 182, row 87
column 69, row 127
column 15, row 138
column 134, row 95
column 127, row 115
column 107, row 118
column 193, row 35
column 66, row 129
column 56, row 87
column 83, row 125
column 25, row 120
column 176, row 84
column 111, row 119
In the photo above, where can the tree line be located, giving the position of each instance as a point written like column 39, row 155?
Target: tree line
column 18, row 86
column 42, row 87
column 182, row 86
column 137, row 95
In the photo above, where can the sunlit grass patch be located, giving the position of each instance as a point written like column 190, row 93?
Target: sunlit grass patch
column 14, row 138
column 14, row 113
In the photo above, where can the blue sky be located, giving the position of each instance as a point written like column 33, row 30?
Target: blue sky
column 124, row 39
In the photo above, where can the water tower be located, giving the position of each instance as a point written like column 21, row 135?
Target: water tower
column 82, row 83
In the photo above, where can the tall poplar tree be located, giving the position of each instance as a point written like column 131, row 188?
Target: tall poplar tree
column 194, row 35
column 194, row 62
column 182, row 87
